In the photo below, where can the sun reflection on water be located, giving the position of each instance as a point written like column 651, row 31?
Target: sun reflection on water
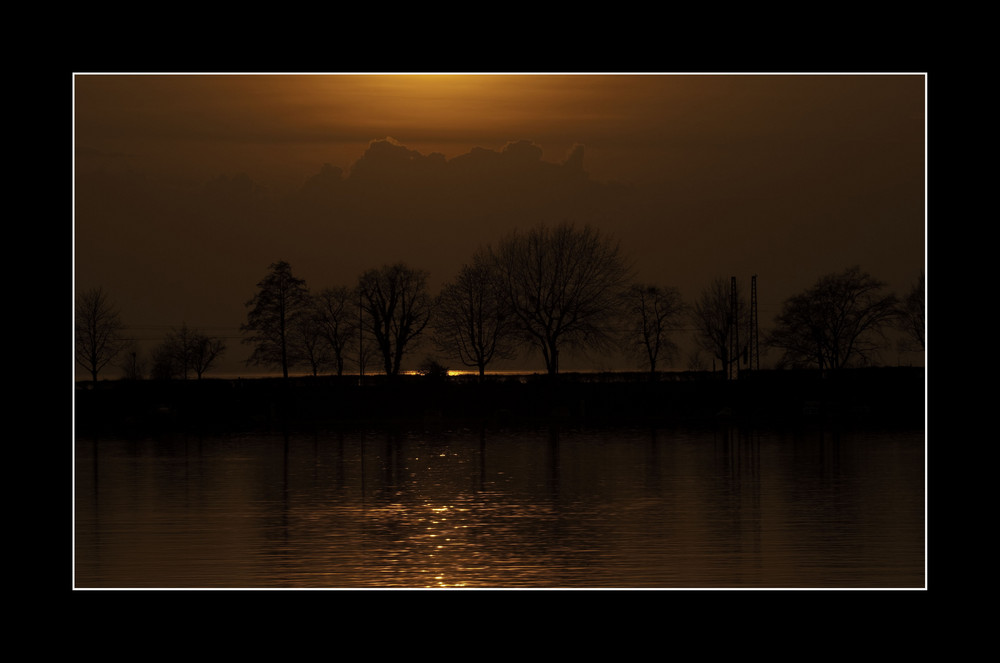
column 448, row 512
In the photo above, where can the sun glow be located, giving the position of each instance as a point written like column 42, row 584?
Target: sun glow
column 450, row 113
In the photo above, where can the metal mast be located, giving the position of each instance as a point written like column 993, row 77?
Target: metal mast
column 754, row 345
column 361, row 340
column 734, row 331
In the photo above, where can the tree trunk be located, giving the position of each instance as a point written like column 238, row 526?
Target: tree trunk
column 553, row 360
column 284, row 358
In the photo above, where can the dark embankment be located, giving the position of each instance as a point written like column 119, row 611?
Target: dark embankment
column 891, row 396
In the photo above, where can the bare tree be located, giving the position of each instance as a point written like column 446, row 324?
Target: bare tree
column 336, row 310
column 365, row 351
column 838, row 322
column 716, row 326
column 911, row 315
column 164, row 363
column 472, row 320
column 280, row 300
column 308, row 340
column 396, row 309
column 98, row 331
column 186, row 350
column 203, row 351
column 653, row 313
column 564, row 286
column 177, row 347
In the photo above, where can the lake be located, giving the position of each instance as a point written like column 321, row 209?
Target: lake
column 544, row 507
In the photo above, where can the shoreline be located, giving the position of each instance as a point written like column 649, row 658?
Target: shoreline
column 867, row 396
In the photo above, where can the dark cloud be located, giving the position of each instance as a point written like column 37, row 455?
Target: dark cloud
column 396, row 203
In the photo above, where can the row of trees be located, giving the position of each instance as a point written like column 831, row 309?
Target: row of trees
column 553, row 289
column 101, row 340
column 545, row 289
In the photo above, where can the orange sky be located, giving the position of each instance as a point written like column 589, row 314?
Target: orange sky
column 786, row 176
column 335, row 116
column 248, row 119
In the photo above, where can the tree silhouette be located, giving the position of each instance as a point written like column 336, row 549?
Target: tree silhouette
column 185, row 350
column 838, row 322
column 336, row 311
column 176, row 351
column 652, row 314
column 308, row 341
column 203, row 351
column 911, row 314
column 98, row 331
column 564, row 286
column 396, row 310
column 715, row 324
column 281, row 299
column 472, row 320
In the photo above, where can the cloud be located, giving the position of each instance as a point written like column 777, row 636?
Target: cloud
column 396, row 203
column 397, row 186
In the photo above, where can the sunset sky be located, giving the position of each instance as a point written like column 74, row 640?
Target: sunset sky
column 186, row 187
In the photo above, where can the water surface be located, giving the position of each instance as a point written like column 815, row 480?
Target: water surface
column 543, row 508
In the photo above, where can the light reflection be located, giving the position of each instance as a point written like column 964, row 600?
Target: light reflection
column 453, row 520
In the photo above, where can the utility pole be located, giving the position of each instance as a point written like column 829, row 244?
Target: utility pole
column 733, row 370
column 361, row 342
column 754, row 345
